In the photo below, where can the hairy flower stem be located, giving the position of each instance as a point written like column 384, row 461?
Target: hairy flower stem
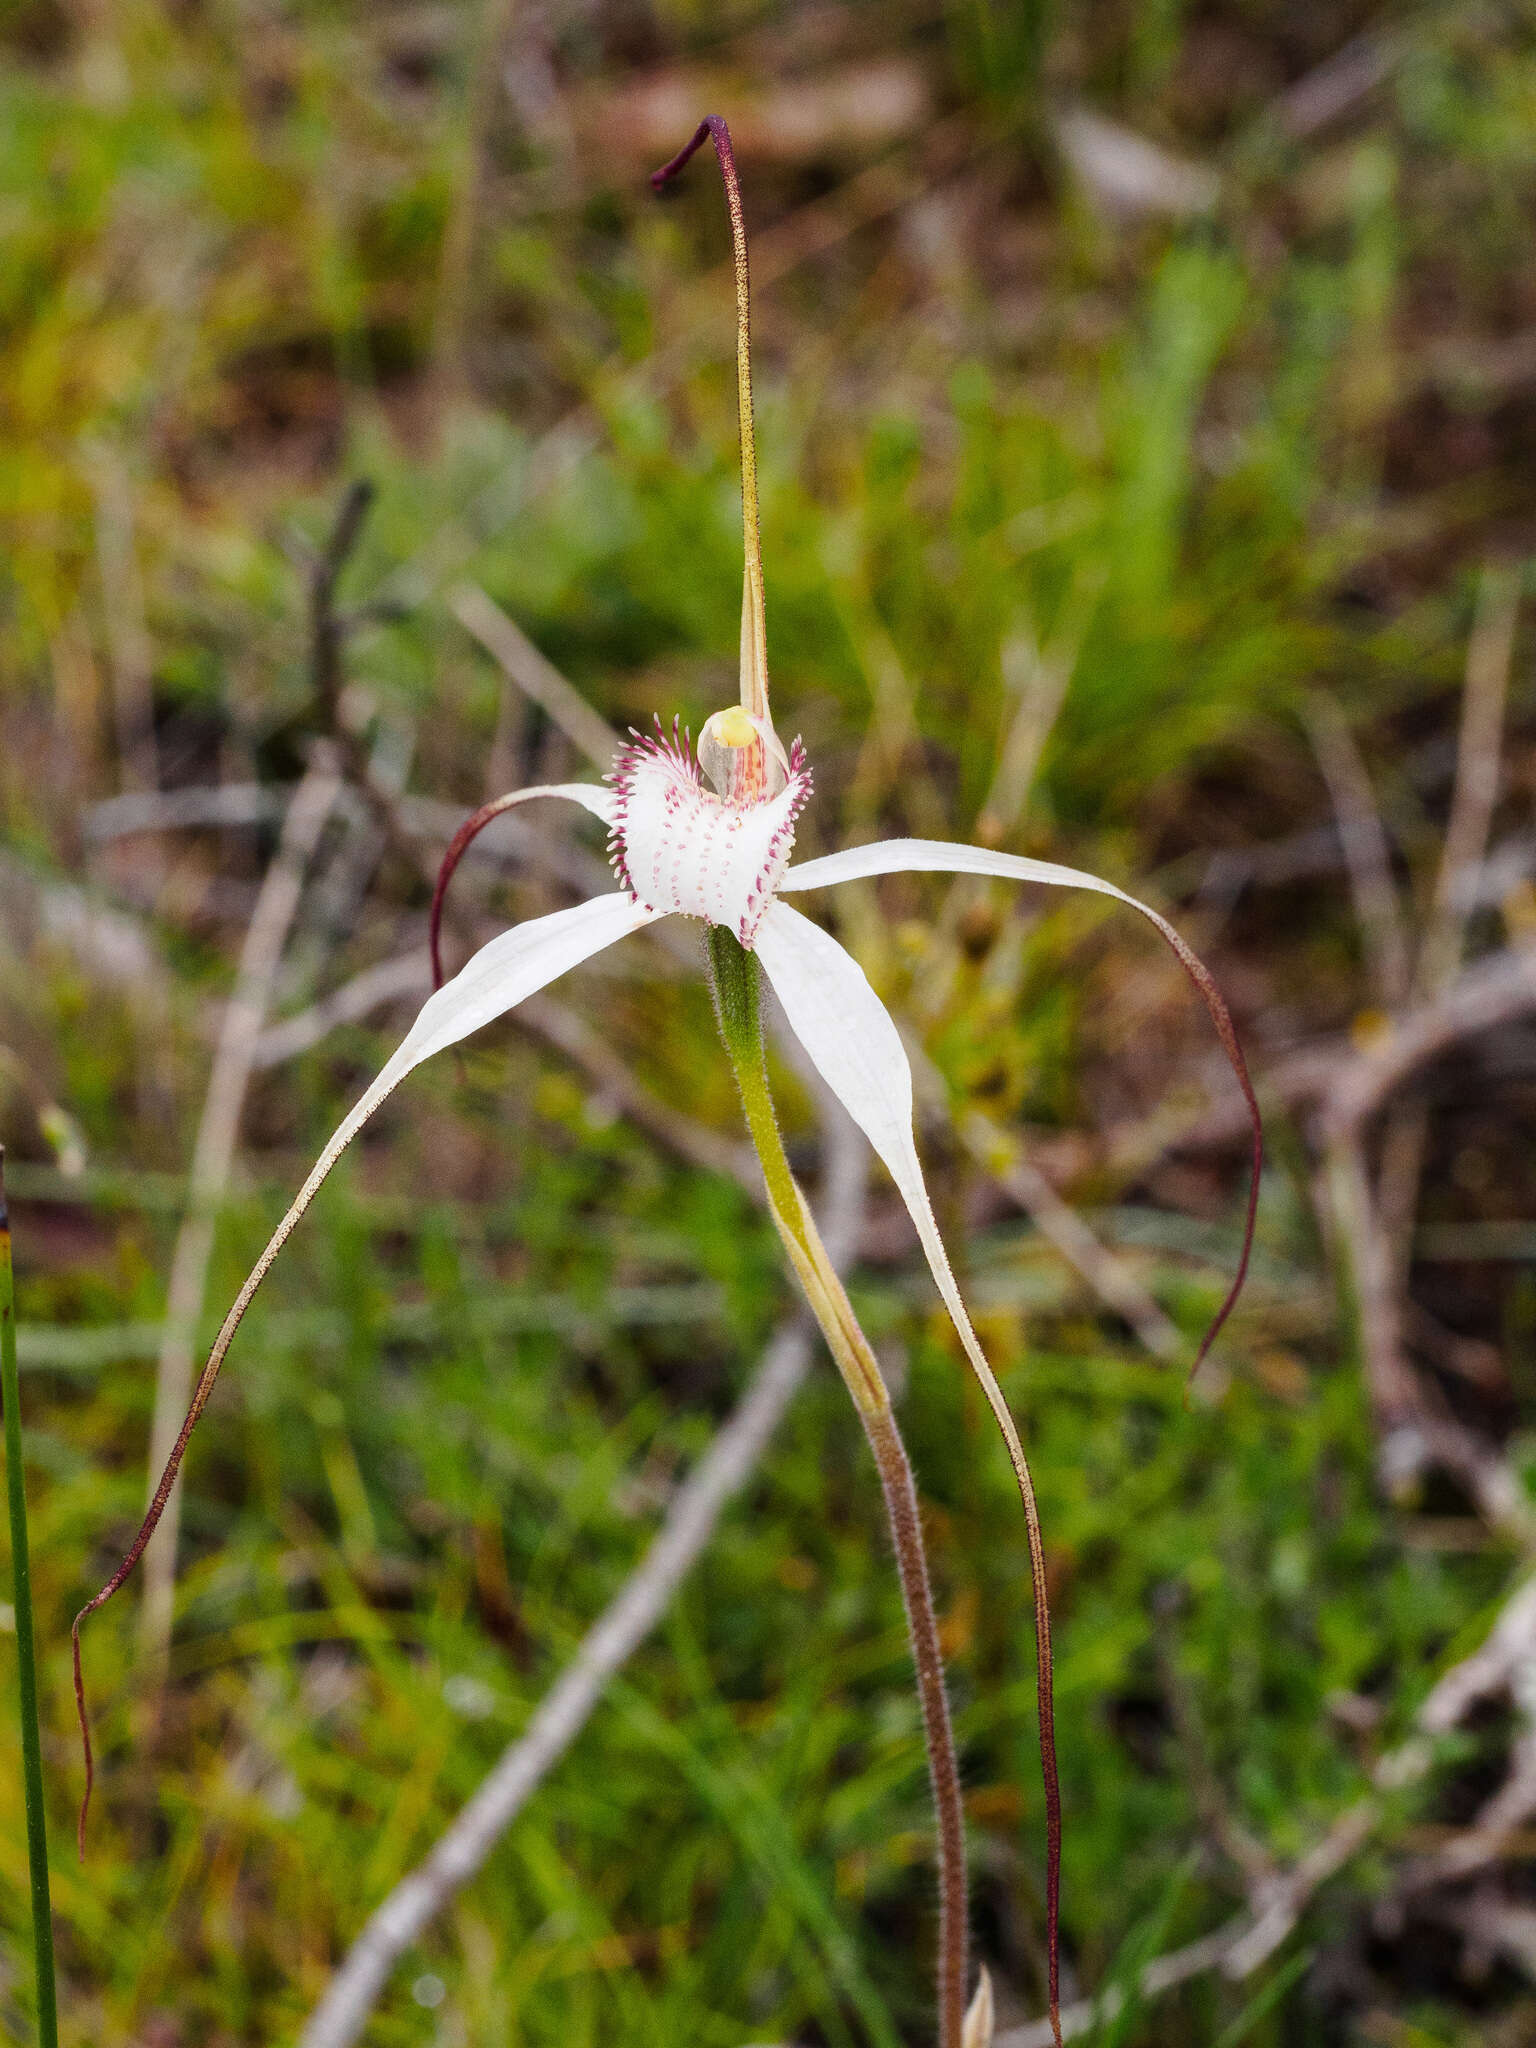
column 26, row 1660
column 735, row 980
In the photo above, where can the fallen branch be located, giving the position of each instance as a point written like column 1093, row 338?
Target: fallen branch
column 404, row 977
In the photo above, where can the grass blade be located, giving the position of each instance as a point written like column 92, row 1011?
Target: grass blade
column 26, row 1662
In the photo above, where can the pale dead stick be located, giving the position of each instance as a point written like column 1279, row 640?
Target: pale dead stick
column 537, row 677
column 686, row 1529
column 408, row 976
column 1485, row 693
column 212, row 1160
column 1373, row 1219
column 1490, row 657
column 1491, row 993
column 1343, row 1082
column 1350, row 1200
column 416, row 817
column 1345, row 1196
column 534, row 674
column 1367, row 856
column 1249, row 1941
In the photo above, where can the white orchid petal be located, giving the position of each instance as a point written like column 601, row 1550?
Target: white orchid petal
column 980, row 2021
column 514, row 966
column 939, row 856
column 855, row 1047
column 500, row 976
column 918, row 856
column 590, row 795
column 858, row 1052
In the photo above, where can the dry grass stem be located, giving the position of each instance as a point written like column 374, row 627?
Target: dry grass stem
column 1490, row 655
column 535, row 675
column 130, row 655
column 213, row 1158
column 1367, row 855
column 629, row 1618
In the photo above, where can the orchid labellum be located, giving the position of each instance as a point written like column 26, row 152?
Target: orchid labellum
column 708, row 833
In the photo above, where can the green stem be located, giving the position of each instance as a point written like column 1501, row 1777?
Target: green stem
column 735, row 980
column 26, row 1660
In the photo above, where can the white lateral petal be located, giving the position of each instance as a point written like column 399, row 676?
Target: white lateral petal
column 858, row 1052
column 514, row 966
column 911, row 856
column 590, row 795
column 940, row 856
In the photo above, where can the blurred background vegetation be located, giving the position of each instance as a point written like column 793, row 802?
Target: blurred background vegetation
column 1147, row 399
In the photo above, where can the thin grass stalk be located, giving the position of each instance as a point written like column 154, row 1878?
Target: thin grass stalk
column 26, row 1658
column 734, row 979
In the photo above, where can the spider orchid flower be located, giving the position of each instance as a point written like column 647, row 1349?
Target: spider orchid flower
column 708, row 833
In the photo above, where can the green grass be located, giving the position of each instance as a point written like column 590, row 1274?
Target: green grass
column 1211, row 467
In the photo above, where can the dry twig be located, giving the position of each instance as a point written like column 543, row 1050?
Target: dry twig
column 1490, row 655
column 535, row 675
column 1485, row 692
column 1367, row 857
column 1063, row 1228
column 1248, row 1942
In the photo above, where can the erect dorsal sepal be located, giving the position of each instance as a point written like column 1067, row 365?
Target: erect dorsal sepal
column 754, row 628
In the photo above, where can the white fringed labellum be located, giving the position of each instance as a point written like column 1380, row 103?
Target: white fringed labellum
column 716, row 854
